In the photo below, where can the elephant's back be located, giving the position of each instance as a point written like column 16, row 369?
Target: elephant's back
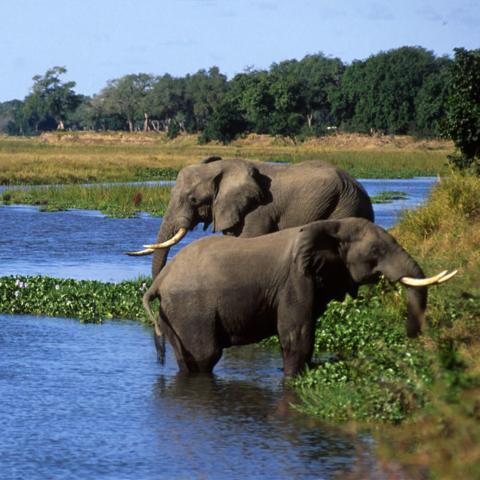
column 330, row 192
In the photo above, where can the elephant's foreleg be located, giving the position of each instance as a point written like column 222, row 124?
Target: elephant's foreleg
column 296, row 329
column 297, row 348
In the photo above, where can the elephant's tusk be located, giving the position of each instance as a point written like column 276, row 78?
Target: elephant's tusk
column 147, row 251
column 423, row 282
column 448, row 276
column 168, row 243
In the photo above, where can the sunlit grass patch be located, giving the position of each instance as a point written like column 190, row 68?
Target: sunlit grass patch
column 114, row 200
column 78, row 157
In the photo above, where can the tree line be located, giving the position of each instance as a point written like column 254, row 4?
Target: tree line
column 407, row 90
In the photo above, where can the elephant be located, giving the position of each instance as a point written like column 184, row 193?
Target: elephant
column 246, row 198
column 221, row 291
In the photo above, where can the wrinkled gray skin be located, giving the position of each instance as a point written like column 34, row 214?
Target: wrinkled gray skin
column 224, row 291
column 246, row 199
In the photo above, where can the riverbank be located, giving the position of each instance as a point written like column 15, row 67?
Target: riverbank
column 371, row 374
column 80, row 157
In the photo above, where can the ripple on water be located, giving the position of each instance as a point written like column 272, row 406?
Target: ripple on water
column 90, row 401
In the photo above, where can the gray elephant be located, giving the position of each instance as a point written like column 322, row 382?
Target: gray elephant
column 224, row 291
column 246, row 199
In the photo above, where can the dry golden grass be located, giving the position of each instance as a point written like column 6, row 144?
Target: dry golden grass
column 118, row 156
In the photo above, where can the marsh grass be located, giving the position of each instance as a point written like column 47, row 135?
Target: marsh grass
column 388, row 196
column 98, row 157
column 114, row 200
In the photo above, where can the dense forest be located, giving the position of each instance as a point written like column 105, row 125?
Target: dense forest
column 402, row 91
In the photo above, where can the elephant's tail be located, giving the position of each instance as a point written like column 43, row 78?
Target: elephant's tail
column 150, row 295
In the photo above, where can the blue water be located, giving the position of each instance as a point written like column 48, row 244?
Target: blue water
column 84, row 244
column 82, row 401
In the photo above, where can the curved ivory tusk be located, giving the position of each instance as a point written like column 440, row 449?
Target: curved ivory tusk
column 448, row 277
column 169, row 243
column 423, row 282
column 147, row 251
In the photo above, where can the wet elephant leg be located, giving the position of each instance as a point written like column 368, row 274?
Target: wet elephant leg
column 194, row 351
column 296, row 332
column 297, row 349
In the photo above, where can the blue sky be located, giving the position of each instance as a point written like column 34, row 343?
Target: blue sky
column 98, row 40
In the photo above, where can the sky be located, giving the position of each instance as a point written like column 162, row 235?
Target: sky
column 99, row 40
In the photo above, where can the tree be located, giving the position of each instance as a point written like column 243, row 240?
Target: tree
column 203, row 92
column 381, row 92
column 11, row 117
column 463, row 108
column 126, row 96
column 167, row 104
column 226, row 123
column 316, row 77
column 431, row 100
column 51, row 100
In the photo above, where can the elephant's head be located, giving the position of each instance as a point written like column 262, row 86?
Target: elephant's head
column 217, row 191
column 356, row 251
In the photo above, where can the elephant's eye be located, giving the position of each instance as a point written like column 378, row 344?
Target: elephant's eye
column 193, row 200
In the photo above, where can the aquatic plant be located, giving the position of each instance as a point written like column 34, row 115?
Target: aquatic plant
column 87, row 300
column 388, row 196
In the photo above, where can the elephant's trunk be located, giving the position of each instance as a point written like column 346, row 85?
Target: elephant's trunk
column 167, row 230
column 416, row 306
column 177, row 217
column 403, row 265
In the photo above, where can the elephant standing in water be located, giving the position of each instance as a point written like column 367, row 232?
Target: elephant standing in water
column 224, row 291
column 246, row 199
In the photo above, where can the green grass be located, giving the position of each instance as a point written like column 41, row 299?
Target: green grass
column 388, row 197
column 114, row 201
column 115, row 156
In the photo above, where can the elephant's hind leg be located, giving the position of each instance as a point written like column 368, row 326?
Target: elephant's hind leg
column 195, row 349
column 198, row 361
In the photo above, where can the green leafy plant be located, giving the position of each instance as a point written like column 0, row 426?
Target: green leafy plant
column 89, row 301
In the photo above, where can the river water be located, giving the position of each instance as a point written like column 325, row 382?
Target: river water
column 85, row 401
column 85, row 244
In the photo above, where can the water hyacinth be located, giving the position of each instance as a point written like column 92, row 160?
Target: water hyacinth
column 89, row 301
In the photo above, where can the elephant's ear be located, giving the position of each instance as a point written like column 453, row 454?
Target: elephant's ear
column 313, row 243
column 237, row 191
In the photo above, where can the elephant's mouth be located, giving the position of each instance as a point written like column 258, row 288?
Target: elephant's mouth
column 204, row 215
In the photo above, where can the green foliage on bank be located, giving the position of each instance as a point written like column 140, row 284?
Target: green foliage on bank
column 463, row 113
column 369, row 372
